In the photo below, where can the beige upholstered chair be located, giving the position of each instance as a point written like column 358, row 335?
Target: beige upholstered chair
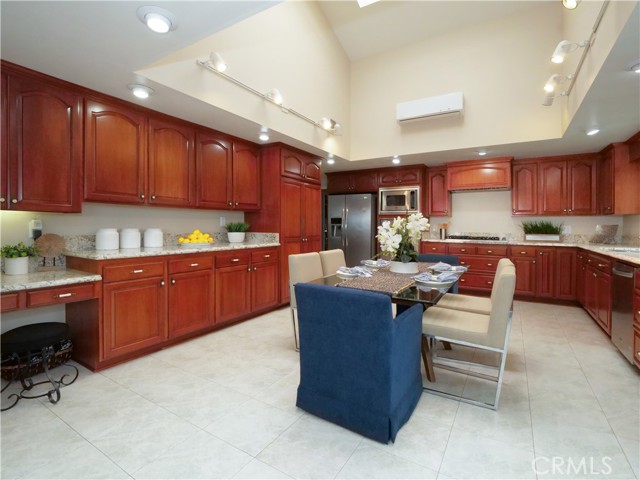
column 471, row 303
column 303, row 267
column 480, row 331
column 331, row 261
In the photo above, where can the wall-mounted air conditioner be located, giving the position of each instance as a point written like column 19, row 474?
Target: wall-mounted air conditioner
column 449, row 104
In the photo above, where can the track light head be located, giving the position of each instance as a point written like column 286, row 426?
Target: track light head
column 570, row 4
column 275, row 96
column 565, row 47
column 217, row 62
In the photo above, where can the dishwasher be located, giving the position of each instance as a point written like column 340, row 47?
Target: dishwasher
column 622, row 309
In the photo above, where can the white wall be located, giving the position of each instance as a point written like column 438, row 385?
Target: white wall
column 490, row 212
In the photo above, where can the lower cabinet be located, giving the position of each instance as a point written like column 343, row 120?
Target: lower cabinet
column 597, row 290
column 525, row 274
column 191, row 295
column 481, row 261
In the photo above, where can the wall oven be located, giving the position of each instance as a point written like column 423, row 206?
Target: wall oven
column 399, row 200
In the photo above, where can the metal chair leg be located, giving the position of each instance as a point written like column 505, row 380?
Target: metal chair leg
column 295, row 330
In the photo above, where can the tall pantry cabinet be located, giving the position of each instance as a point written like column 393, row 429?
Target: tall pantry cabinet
column 291, row 205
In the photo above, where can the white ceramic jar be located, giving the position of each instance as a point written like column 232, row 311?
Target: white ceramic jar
column 152, row 238
column 129, row 238
column 107, row 239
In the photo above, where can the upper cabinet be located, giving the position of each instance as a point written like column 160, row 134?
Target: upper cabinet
column 41, row 146
column 300, row 166
column 365, row 181
column 619, row 178
column 439, row 204
column 563, row 185
column 115, row 158
column 479, row 174
column 228, row 173
column 396, row 177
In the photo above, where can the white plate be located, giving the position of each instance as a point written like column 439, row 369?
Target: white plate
column 346, row 276
column 372, row 264
column 433, row 284
column 195, row 245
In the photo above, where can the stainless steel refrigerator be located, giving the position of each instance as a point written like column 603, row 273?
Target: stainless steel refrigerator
column 351, row 223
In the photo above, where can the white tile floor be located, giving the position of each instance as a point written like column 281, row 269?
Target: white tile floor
column 223, row 406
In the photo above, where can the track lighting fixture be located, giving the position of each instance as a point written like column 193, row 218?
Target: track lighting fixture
column 564, row 47
column 157, row 19
column 216, row 64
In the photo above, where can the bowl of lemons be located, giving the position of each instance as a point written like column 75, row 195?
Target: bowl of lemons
column 196, row 239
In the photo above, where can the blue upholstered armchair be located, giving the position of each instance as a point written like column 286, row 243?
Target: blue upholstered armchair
column 359, row 367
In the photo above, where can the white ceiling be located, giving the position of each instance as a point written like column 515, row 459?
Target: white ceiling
column 99, row 44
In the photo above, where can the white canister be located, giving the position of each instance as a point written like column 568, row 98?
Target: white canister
column 129, row 238
column 107, row 239
column 152, row 238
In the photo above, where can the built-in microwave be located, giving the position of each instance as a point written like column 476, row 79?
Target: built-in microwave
column 399, row 200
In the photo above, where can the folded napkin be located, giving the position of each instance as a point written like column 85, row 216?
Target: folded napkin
column 358, row 271
column 441, row 267
column 442, row 277
column 380, row 263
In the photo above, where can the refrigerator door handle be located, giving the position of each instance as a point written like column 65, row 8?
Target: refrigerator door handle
column 345, row 227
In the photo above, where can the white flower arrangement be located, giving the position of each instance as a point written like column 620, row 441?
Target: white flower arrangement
column 399, row 238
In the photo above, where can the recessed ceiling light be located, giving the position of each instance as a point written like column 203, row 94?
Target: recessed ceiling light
column 263, row 137
column 593, row 131
column 570, row 4
column 635, row 67
column 364, row 3
column 140, row 91
column 330, row 161
column 395, row 160
column 482, row 153
column 157, row 19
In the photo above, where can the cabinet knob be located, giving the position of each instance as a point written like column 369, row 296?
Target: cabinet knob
column 533, row 262
column 463, row 249
column 570, row 210
column 162, row 283
column 489, row 264
column 230, row 204
column 564, row 210
column 14, row 201
column 489, row 251
column 489, row 282
column 595, row 275
column 255, row 268
column 236, row 204
column 142, row 196
column 540, row 253
column 514, row 210
column 173, row 281
column 248, row 269
column 523, row 253
column 462, row 280
column 194, row 264
column 153, row 197
column 267, row 256
column 235, row 259
column 139, row 270
column 2, row 199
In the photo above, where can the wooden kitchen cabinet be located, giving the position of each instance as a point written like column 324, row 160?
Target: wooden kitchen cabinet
column 619, row 179
column 598, row 293
column 300, row 166
column 552, row 187
column 565, row 272
column 172, row 166
column 265, row 292
column 4, row 161
column 365, row 181
column 396, row 177
column 524, row 194
column 581, row 273
column 115, row 155
column 42, row 135
column 228, row 173
column 606, row 193
column 191, row 294
column 545, row 272
column 439, row 204
column 526, row 274
column 433, row 247
column 479, row 174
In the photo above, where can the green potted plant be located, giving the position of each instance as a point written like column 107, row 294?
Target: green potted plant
column 236, row 231
column 16, row 258
column 542, row 230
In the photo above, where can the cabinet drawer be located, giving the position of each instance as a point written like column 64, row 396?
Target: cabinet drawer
column 497, row 250
column 470, row 280
column 430, row 247
column 66, row 294
column 10, row 302
column 479, row 264
column 230, row 259
column 466, row 249
column 599, row 263
column 191, row 264
column 264, row 256
column 520, row 251
column 134, row 271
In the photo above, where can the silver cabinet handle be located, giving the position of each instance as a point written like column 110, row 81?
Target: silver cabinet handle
column 194, row 264
column 2, row 199
column 14, row 201
column 267, row 256
column 489, row 264
column 230, row 204
column 153, row 197
column 255, row 268
column 248, row 269
column 173, row 281
column 137, row 271
column 489, row 251
column 142, row 196
column 162, row 283
column 63, row 295
column 235, row 259
column 236, row 204
column 523, row 253
column 602, row 265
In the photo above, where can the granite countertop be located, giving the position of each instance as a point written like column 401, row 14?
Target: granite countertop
column 166, row 250
column 14, row 283
column 631, row 257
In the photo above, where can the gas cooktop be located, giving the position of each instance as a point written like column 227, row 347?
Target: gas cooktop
column 472, row 237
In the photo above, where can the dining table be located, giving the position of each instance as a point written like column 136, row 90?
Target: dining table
column 404, row 291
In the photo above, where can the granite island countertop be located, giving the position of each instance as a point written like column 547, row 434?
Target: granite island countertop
column 631, row 257
column 30, row 281
column 166, row 250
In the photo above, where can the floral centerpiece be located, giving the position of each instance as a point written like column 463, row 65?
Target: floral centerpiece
column 399, row 241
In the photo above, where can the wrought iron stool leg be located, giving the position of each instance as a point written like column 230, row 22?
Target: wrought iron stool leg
column 14, row 358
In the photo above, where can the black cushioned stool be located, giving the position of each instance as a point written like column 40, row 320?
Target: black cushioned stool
column 33, row 349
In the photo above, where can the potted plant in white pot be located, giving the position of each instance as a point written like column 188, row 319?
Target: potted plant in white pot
column 236, row 231
column 16, row 258
column 542, row 231
column 399, row 240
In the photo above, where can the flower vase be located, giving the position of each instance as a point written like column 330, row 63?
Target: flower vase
column 403, row 267
column 16, row 266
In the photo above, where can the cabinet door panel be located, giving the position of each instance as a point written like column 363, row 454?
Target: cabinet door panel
column 232, row 292
column 545, row 281
column 525, row 276
column 115, row 153
column 582, row 187
column 45, row 147
column 552, row 188
column 246, row 177
column 134, row 316
column 566, row 273
column 312, row 172
column 292, row 164
column 311, row 212
column 603, row 302
column 606, row 192
column 171, row 164
column 264, row 285
column 339, row 183
column 214, row 171
column 291, row 211
column 439, row 197
column 524, row 195
column 365, row 183
column 191, row 303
